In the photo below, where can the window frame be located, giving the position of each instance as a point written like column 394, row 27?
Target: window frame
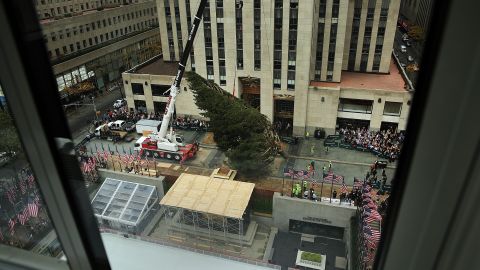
column 46, row 140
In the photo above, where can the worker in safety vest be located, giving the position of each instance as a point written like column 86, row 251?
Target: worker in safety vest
column 298, row 190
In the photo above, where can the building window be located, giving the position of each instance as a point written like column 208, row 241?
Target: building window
column 257, row 34
column 140, row 105
column 189, row 22
column 320, row 38
column 221, row 45
column 355, row 105
column 160, row 90
column 392, row 108
column 335, row 8
column 223, row 75
column 137, row 88
column 291, row 80
column 239, row 35
column 171, row 44
column 332, row 45
column 354, row 37
column 208, row 42
column 179, row 28
column 277, row 78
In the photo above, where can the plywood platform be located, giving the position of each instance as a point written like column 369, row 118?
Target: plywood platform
column 209, row 195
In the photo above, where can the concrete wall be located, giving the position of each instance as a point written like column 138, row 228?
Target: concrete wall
column 322, row 114
column 185, row 104
column 153, row 181
column 318, row 113
column 72, row 25
column 286, row 208
column 90, row 56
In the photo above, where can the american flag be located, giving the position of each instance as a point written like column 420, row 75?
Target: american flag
column 33, row 207
column 333, row 178
column 369, row 219
column 30, row 179
column 24, row 216
column 366, row 195
column 343, row 189
column 12, row 194
column 376, row 235
column 373, row 214
column 369, row 256
column 288, row 172
column 366, row 210
column 370, row 244
column 371, row 234
column 366, row 200
column 357, row 182
column 302, row 174
column 366, row 189
column 372, row 205
column 11, row 226
column 23, row 184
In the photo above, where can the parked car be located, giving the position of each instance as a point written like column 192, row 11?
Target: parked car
column 403, row 65
column 405, row 39
column 119, row 103
column 121, row 125
column 409, row 44
column 410, row 58
column 403, row 48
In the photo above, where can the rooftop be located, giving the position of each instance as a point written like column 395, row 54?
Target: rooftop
column 209, row 195
column 122, row 201
column 129, row 253
column 358, row 80
column 156, row 66
column 80, row 13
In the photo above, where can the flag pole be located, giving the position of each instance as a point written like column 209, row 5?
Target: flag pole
column 321, row 190
column 331, row 189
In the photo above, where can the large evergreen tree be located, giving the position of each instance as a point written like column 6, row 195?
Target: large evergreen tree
column 241, row 131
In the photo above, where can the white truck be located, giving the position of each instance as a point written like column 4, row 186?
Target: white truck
column 121, row 125
column 147, row 125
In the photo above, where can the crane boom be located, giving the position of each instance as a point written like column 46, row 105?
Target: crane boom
column 174, row 89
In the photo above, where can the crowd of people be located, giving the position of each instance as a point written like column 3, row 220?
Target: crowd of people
column 190, row 123
column 124, row 113
column 386, row 142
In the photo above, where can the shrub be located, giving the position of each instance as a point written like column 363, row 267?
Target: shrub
column 313, row 257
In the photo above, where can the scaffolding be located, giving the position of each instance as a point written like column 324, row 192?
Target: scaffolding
column 208, row 208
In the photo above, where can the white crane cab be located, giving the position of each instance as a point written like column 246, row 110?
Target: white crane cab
column 176, row 139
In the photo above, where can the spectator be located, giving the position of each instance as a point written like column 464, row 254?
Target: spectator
column 305, row 194
column 334, row 194
column 385, row 142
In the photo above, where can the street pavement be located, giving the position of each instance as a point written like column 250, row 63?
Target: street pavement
column 207, row 157
column 346, row 162
column 415, row 51
column 79, row 119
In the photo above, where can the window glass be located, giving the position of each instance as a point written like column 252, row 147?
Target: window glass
column 346, row 108
column 24, row 216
